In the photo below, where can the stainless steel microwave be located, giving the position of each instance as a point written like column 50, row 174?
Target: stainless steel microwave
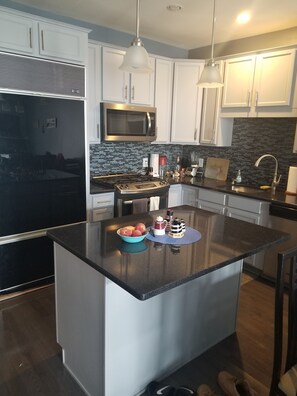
column 122, row 122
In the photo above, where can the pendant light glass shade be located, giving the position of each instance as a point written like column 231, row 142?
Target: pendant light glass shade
column 211, row 77
column 136, row 59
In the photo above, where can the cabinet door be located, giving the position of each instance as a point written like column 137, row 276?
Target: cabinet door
column 243, row 215
column 16, row 33
column 238, row 82
column 212, row 207
column 114, row 81
column 93, row 92
column 163, row 98
column 187, row 103
column 142, row 87
column 60, row 42
column 256, row 259
column 190, row 196
column 175, row 196
column 214, row 130
column 273, row 78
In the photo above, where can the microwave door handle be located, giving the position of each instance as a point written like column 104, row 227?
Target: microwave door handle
column 149, row 123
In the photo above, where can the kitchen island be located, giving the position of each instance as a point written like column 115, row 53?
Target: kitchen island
column 131, row 313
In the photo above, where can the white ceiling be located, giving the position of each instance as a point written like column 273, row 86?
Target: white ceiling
column 188, row 28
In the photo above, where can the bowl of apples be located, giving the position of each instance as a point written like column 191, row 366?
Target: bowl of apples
column 133, row 234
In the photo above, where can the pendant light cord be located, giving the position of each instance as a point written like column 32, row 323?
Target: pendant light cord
column 137, row 19
column 212, row 34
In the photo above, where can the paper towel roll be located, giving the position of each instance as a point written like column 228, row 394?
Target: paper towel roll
column 292, row 181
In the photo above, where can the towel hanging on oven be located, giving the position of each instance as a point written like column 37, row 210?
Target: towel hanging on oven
column 154, row 203
column 140, row 205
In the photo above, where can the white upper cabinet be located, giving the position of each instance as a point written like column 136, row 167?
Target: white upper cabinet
column 16, row 33
column 187, row 102
column 238, row 82
column 260, row 85
column 276, row 67
column 26, row 34
column 123, row 87
column 214, row 130
column 163, row 98
column 61, row 43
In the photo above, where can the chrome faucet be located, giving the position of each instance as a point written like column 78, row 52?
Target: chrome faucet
column 276, row 178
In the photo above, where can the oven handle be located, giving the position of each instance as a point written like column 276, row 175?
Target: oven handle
column 130, row 201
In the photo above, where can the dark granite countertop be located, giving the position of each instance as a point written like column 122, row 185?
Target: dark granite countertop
column 280, row 198
column 146, row 269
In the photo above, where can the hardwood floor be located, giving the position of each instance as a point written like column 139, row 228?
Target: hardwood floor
column 31, row 364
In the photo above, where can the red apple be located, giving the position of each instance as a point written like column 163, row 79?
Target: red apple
column 141, row 227
column 136, row 233
column 125, row 231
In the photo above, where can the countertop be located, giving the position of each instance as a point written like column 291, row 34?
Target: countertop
column 280, row 198
column 146, row 269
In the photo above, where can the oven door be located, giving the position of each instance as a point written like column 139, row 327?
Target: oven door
column 127, row 204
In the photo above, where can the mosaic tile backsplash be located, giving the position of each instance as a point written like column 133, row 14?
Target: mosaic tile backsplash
column 251, row 138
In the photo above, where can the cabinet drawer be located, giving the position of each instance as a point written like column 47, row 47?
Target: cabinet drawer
column 212, row 196
column 103, row 200
column 250, row 205
column 102, row 213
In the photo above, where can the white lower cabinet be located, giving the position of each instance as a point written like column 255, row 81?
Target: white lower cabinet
column 102, row 206
column 175, row 195
column 212, row 200
column 255, row 211
column 190, row 196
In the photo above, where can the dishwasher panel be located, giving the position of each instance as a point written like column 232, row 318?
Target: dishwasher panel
column 283, row 219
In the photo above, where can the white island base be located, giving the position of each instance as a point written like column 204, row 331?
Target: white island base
column 114, row 344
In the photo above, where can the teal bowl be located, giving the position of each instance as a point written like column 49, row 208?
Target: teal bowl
column 132, row 239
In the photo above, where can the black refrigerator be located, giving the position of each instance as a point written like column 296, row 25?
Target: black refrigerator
column 42, row 180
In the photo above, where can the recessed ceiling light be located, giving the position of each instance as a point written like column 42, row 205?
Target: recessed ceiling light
column 174, row 7
column 244, row 17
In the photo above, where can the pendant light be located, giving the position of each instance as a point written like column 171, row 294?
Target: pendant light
column 210, row 77
column 136, row 59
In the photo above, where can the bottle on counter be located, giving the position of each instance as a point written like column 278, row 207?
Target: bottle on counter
column 238, row 176
column 169, row 218
column 178, row 164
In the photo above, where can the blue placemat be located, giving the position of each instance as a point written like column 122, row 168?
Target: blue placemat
column 191, row 235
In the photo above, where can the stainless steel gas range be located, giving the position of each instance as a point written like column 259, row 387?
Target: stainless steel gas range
column 135, row 193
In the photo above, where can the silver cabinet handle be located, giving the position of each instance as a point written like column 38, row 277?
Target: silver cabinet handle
column 195, row 134
column 133, row 92
column 248, row 98
column 256, row 98
column 126, row 92
column 30, row 37
column 42, row 41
